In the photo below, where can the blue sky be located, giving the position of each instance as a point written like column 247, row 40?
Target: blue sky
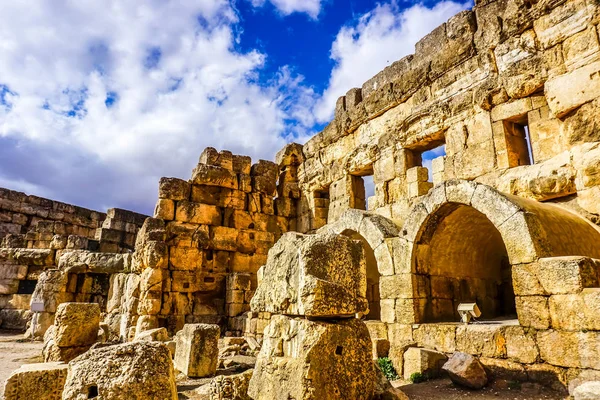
column 98, row 100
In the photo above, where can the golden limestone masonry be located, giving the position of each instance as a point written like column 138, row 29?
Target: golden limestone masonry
column 285, row 279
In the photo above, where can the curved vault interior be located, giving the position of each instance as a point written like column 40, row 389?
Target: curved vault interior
column 461, row 257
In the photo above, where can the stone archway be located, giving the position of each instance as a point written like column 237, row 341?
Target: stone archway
column 376, row 233
column 463, row 237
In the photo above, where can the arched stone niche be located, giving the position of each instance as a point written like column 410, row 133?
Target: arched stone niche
column 461, row 240
column 377, row 234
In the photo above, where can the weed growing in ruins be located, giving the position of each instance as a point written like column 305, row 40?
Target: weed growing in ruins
column 418, row 377
column 386, row 366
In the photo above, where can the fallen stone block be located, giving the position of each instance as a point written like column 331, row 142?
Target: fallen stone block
column 322, row 275
column 154, row 335
column 305, row 359
column 129, row 371
column 77, row 324
column 197, row 350
column 423, row 361
column 53, row 353
column 231, row 387
column 36, row 381
column 466, row 370
column 587, row 391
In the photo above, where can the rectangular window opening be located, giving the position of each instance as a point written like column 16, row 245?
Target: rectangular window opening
column 518, row 142
column 320, row 207
column 432, row 159
column 362, row 188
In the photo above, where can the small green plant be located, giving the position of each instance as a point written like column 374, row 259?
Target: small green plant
column 386, row 366
column 418, row 377
column 514, row 385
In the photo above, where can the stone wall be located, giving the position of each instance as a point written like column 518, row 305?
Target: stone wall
column 216, row 227
column 19, row 213
column 479, row 87
column 48, row 264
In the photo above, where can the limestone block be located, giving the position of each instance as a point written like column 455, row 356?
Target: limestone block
column 306, row 359
column 230, row 387
column 417, row 174
column 416, row 189
column 562, row 275
column 80, row 261
column 570, row 349
column 235, row 199
column 173, row 189
column 466, row 370
column 562, row 22
column 440, row 337
column 9, row 286
column 533, row 311
column 52, row 353
column 197, row 350
column 264, row 184
column 197, row 213
column 520, row 345
column 575, row 312
column 165, row 209
column 211, row 156
column 575, row 377
column 313, row 275
column 398, row 286
column 145, row 323
column 36, row 381
column 129, row 371
column 153, row 335
column 569, row 91
column 116, row 292
column 210, row 175
column 241, row 164
column 423, row 361
column 76, row 324
column 238, row 281
column 185, row 258
column 481, row 340
column 223, row 238
column 587, row 391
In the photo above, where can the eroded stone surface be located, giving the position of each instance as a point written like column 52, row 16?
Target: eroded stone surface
column 314, row 360
column 314, row 275
column 138, row 370
column 466, row 370
column 197, row 351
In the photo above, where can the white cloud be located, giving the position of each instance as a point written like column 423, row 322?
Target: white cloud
column 175, row 82
column 375, row 40
column 287, row 7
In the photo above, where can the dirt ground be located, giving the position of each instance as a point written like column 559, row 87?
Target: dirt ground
column 446, row 390
column 14, row 352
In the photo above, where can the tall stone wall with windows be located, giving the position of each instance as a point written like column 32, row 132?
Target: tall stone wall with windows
column 509, row 88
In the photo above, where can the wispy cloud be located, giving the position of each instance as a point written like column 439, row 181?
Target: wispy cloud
column 98, row 100
column 375, row 40
column 287, row 7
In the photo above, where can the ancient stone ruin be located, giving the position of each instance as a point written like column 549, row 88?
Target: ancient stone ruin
column 292, row 262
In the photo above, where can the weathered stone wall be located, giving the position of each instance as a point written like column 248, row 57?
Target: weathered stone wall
column 19, row 213
column 474, row 84
column 219, row 224
column 49, row 265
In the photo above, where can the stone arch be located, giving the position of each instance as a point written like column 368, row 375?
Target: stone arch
column 377, row 234
column 463, row 237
